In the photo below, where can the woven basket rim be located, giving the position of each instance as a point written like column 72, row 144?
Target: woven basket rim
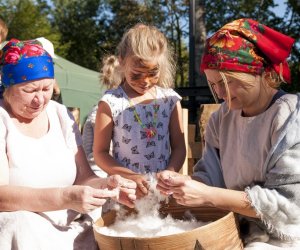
column 211, row 224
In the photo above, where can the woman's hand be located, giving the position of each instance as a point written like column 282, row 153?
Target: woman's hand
column 167, row 180
column 192, row 193
column 84, row 199
column 126, row 187
column 184, row 190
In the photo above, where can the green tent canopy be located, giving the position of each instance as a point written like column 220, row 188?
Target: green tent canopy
column 80, row 87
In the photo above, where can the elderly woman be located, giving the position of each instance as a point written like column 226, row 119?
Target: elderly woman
column 251, row 161
column 47, row 188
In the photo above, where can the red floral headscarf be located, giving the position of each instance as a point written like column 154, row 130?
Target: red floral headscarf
column 248, row 46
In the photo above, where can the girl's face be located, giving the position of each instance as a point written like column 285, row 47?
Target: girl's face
column 28, row 100
column 242, row 95
column 141, row 76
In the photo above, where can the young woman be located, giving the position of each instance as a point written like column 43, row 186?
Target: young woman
column 251, row 160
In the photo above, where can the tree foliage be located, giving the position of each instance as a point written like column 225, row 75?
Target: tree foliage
column 77, row 21
column 121, row 17
column 84, row 31
column 27, row 19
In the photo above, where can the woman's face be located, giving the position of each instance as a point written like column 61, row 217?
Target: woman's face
column 242, row 95
column 140, row 76
column 28, row 100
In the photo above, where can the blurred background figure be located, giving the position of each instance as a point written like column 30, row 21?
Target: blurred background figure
column 3, row 35
column 88, row 129
column 3, row 31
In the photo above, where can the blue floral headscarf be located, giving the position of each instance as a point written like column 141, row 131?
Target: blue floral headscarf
column 23, row 61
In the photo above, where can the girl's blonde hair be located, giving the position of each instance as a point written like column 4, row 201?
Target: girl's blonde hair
column 108, row 75
column 147, row 44
column 270, row 78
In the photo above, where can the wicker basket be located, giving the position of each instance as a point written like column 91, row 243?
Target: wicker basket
column 222, row 233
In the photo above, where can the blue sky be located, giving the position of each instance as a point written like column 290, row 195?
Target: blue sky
column 280, row 9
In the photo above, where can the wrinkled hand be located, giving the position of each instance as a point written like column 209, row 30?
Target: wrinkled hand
column 84, row 199
column 126, row 187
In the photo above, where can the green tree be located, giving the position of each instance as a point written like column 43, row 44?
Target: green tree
column 79, row 25
column 125, row 15
column 176, row 28
column 235, row 9
column 28, row 20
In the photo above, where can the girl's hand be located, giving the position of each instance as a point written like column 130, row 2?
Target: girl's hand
column 126, row 187
column 141, row 182
column 167, row 180
column 84, row 199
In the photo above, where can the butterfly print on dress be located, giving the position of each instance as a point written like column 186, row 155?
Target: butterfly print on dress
column 147, row 169
column 161, row 137
column 136, row 165
column 143, row 134
column 149, row 113
column 162, row 157
column 134, row 150
column 171, row 104
column 149, row 156
column 116, row 144
column 116, row 156
column 149, row 125
column 160, row 125
column 127, row 127
column 125, row 140
column 126, row 161
column 164, row 114
column 150, row 144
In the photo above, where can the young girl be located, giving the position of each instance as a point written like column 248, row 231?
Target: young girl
column 251, row 160
column 141, row 114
